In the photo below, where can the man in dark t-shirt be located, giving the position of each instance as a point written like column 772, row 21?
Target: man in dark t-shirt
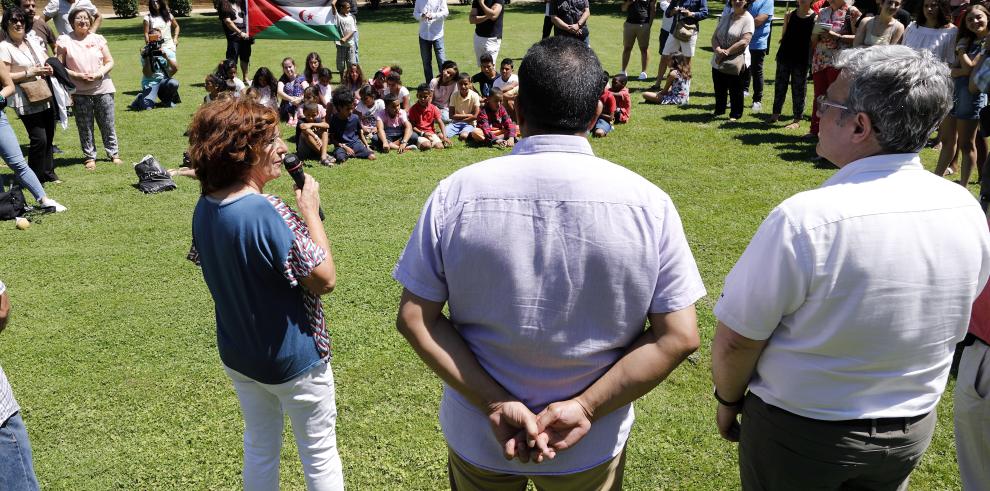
column 639, row 20
column 486, row 15
column 570, row 18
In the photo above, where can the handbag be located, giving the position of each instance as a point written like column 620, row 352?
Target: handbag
column 683, row 31
column 36, row 90
column 12, row 204
column 732, row 64
column 152, row 178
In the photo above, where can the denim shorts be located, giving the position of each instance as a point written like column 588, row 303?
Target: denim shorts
column 457, row 127
column 603, row 125
column 966, row 105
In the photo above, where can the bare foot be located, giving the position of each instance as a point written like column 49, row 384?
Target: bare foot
column 793, row 126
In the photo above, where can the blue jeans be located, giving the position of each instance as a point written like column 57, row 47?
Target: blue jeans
column 426, row 49
column 10, row 151
column 357, row 58
column 16, row 470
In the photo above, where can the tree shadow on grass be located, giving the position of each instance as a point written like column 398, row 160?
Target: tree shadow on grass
column 197, row 26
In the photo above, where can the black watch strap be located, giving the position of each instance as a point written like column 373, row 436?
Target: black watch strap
column 726, row 403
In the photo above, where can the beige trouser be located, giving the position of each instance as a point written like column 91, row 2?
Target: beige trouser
column 972, row 416
column 467, row 477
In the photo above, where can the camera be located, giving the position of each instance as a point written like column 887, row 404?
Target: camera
column 154, row 46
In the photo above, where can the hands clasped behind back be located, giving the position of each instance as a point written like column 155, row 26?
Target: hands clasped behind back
column 536, row 437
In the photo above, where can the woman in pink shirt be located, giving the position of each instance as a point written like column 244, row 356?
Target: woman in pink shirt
column 89, row 62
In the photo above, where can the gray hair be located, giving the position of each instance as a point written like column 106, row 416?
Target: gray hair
column 906, row 93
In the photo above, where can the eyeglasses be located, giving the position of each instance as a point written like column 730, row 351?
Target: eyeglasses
column 822, row 104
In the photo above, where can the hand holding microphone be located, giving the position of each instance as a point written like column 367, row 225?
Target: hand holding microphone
column 308, row 190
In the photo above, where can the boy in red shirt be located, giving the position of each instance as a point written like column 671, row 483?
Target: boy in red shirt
column 623, row 102
column 606, row 113
column 495, row 127
column 423, row 116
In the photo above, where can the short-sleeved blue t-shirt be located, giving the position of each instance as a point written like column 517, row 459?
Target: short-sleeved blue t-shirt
column 243, row 247
column 345, row 131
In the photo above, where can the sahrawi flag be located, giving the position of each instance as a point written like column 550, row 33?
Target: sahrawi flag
column 292, row 19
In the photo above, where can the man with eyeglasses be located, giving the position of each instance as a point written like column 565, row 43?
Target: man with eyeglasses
column 841, row 316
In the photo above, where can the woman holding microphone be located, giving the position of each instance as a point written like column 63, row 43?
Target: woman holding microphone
column 266, row 267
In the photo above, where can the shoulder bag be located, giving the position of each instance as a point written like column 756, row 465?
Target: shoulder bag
column 37, row 90
column 683, row 31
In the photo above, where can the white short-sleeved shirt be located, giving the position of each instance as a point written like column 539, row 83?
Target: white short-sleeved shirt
column 863, row 287
column 58, row 11
column 550, row 260
column 502, row 83
column 21, row 60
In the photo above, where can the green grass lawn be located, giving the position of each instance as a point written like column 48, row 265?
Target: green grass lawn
column 112, row 351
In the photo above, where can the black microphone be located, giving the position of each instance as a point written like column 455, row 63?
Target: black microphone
column 294, row 166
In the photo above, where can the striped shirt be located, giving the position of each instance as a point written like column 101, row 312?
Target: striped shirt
column 8, row 405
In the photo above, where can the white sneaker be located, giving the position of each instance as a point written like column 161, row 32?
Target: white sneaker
column 745, row 93
column 757, row 107
column 48, row 202
column 642, row 75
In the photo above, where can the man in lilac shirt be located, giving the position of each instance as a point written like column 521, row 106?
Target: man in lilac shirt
column 552, row 262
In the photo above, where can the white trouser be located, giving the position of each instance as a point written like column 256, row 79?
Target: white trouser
column 972, row 416
column 310, row 403
column 486, row 45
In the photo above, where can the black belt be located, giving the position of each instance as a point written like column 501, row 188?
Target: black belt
column 873, row 425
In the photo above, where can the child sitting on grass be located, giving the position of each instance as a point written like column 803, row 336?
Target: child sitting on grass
column 367, row 109
column 394, row 130
column 215, row 86
column 393, row 85
column 464, row 107
column 311, row 94
column 345, row 131
column 508, row 82
column 324, row 86
column 486, row 77
column 623, row 103
column 606, row 113
column 677, row 88
column 313, row 141
column 495, row 127
column 425, row 118
column 443, row 85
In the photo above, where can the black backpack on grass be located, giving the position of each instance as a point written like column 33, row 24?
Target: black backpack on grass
column 12, row 204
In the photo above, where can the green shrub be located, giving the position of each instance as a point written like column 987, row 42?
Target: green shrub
column 180, row 8
column 125, row 8
column 8, row 4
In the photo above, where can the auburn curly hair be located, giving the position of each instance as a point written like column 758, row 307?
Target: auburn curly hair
column 226, row 138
